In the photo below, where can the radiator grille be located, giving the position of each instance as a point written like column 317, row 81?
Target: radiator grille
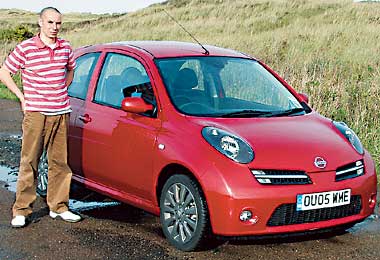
column 287, row 214
column 281, row 177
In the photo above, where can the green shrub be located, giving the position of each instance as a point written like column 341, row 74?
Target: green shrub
column 19, row 33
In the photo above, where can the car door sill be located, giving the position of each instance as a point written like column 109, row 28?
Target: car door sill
column 118, row 195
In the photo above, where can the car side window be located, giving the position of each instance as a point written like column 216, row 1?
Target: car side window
column 82, row 76
column 122, row 76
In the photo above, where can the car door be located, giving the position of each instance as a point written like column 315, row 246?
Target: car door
column 78, row 91
column 117, row 147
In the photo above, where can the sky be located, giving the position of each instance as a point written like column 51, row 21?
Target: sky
column 88, row 6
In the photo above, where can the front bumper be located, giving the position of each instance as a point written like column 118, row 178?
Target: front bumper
column 229, row 195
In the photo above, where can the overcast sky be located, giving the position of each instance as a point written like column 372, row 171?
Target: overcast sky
column 93, row 6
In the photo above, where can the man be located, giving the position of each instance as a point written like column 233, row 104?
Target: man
column 47, row 68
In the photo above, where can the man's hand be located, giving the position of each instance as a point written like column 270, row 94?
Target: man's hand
column 22, row 102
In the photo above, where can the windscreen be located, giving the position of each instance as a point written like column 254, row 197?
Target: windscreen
column 225, row 87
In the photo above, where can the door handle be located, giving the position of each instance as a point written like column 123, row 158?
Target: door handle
column 85, row 118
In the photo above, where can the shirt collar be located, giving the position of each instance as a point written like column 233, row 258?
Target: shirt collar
column 40, row 44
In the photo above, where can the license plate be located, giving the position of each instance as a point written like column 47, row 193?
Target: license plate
column 322, row 200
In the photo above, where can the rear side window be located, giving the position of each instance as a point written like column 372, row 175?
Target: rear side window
column 82, row 75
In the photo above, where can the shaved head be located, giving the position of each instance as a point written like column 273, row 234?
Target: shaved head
column 49, row 8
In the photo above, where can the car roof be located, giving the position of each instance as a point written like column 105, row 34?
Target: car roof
column 166, row 49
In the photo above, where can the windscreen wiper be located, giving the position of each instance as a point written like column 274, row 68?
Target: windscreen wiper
column 248, row 113
column 287, row 112
column 264, row 113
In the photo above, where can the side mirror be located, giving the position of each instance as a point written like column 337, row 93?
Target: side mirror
column 304, row 97
column 135, row 105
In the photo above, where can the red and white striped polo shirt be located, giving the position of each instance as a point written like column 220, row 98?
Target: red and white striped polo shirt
column 43, row 73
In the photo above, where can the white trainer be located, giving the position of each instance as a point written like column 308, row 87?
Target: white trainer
column 66, row 216
column 18, row 221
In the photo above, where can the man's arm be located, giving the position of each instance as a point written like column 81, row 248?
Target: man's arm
column 69, row 77
column 5, row 77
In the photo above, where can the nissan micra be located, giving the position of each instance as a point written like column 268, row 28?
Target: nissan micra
column 213, row 141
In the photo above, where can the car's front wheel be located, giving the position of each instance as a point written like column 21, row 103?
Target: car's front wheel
column 42, row 178
column 184, row 214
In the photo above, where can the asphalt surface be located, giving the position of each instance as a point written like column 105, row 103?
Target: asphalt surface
column 118, row 231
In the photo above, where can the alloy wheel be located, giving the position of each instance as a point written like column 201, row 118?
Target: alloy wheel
column 184, row 214
column 180, row 213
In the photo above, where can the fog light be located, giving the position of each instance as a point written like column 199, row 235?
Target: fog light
column 372, row 201
column 245, row 215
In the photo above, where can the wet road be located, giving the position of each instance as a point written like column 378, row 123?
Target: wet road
column 112, row 230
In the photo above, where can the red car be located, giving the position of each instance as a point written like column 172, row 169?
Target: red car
column 213, row 141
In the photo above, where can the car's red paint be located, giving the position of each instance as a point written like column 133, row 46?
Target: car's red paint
column 125, row 155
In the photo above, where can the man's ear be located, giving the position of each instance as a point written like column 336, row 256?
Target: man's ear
column 40, row 22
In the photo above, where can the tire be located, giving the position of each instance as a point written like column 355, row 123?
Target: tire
column 183, row 213
column 42, row 177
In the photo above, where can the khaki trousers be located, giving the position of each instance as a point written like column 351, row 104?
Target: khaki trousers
column 50, row 133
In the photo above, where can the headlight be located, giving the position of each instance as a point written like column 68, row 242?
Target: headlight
column 228, row 144
column 350, row 136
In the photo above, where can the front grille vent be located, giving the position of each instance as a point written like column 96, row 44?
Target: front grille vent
column 350, row 171
column 287, row 214
column 281, row 177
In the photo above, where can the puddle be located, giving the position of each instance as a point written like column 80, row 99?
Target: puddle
column 19, row 137
column 8, row 177
column 14, row 136
column 79, row 206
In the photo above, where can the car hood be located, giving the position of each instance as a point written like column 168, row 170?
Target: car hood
column 291, row 143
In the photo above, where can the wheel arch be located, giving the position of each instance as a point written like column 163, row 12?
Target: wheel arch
column 170, row 170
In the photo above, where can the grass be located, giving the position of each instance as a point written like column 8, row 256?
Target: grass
column 327, row 49
column 14, row 17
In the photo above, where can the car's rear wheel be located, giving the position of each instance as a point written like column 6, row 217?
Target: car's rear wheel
column 184, row 214
column 42, row 177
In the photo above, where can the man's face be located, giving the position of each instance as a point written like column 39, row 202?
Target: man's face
column 50, row 24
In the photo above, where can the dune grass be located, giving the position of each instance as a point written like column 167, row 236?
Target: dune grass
column 327, row 49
